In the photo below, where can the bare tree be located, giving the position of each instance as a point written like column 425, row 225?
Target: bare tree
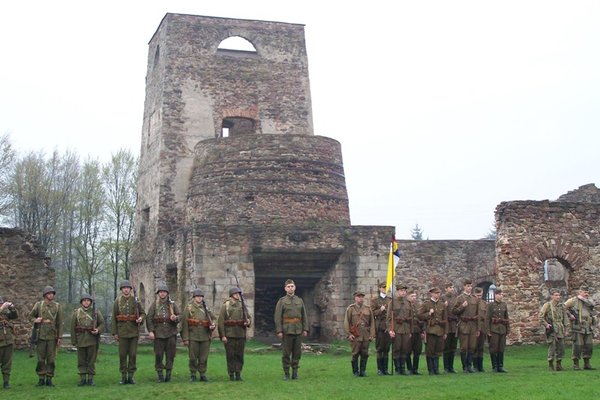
column 7, row 157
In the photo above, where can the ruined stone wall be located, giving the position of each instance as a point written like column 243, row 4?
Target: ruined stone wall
column 530, row 232
column 25, row 273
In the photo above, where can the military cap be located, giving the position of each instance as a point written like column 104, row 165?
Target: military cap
column 467, row 282
column 382, row 285
column 401, row 286
column 85, row 296
column 358, row 293
column 48, row 289
column 435, row 290
column 198, row 292
column 162, row 288
column 289, row 282
column 584, row 288
column 125, row 283
column 234, row 290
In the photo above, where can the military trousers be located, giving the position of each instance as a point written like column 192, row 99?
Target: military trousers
column 359, row 348
column 582, row 345
column 291, row 351
column 383, row 343
column 434, row 346
column 556, row 347
column 234, row 351
column 128, row 354
column 416, row 344
column 46, row 355
column 480, row 345
column 401, row 345
column 451, row 343
column 6, row 356
column 164, row 352
column 86, row 359
column 497, row 342
column 198, row 352
column 468, row 342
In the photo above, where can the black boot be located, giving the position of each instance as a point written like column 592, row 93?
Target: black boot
column 379, row 367
column 363, row 366
column 451, row 362
column 354, row 367
column 463, row 360
column 396, row 366
column 446, row 363
column 385, row 362
column 193, row 377
column 130, row 379
column 294, row 373
column 429, row 365
column 409, row 367
column 203, row 378
column 501, row 362
column 168, row 376
column 402, row 361
column 286, row 374
column 41, row 381
column 49, row 382
column 82, row 380
column 238, row 376
column 470, row 363
column 415, row 366
column 436, row 365
column 159, row 376
column 124, row 379
column 90, row 381
column 5, row 383
column 494, row 358
column 231, row 377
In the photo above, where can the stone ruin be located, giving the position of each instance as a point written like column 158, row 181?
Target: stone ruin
column 233, row 183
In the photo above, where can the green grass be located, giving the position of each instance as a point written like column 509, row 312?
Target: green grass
column 324, row 376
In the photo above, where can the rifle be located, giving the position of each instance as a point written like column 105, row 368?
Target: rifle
column 237, row 282
column 33, row 341
column 136, row 301
column 210, row 321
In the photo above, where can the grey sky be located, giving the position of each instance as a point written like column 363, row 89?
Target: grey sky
column 443, row 108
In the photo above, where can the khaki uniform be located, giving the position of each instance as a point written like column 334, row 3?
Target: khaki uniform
column 497, row 327
column 125, row 312
column 158, row 320
column 360, row 323
column 416, row 341
column 231, row 325
column 480, row 340
column 7, row 341
column 292, row 321
column 400, row 320
column 451, row 342
column 468, row 328
column 436, row 329
column 83, row 321
column 555, row 314
column 382, row 338
column 50, row 331
column 195, row 329
column 582, row 328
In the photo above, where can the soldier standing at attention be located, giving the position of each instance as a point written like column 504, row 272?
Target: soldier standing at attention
column 49, row 315
column 161, row 321
column 86, row 325
column 553, row 318
column 234, row 320
column 480, row 342
column 433, row 311
column 380, row 306
column 400, row 324
column 8, row 312
column 196, row 332
column 128, row 314
column 359, row 324
column 416, row 339
column 451, row 342
column 580, row 310
column 291, row 323
column 497, row 327
column 467, row 311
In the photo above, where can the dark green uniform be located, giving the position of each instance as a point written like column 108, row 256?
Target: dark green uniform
column 497, row 327
column 468, row 328
column 435, row 330
column 196, row 332
column 582, row 328
column 553, row 318
column 359, row 325
column 480, row 340
column 451, row 342
column 50, row 333
column 400, row 321
column 291, row 320
column 416, row 341
column 7, row 340
column 126, row 310
column 159, row 321
column 382, row 337
column 83, row 322
column 232, row 331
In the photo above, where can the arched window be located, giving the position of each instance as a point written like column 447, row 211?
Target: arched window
column 236, row 45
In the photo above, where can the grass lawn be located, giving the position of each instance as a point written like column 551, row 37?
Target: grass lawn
column 323, row 376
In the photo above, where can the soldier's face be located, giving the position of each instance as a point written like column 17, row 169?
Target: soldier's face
column 498, row 296
column 50, row 296
column 584, row 293
column 450, row 289
column 435, row 295
column 126, row 290
column 359, row 299
column 401, row 292
column 479, row 295
column 163, row 294
column 382, row 290
column 412, row 297
column 468, row 288
column 236, row 296
column 290, row 289
column 86, row 303
column 198, row 299
column 556, row 297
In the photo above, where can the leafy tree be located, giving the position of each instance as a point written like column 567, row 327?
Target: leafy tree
column 416, row 233
column 7, row 156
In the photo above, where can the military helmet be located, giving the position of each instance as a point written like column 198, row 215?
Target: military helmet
column 197, row 292
column 125, row 283
column 234, row 290
column 85, row 296
column 162, row 288
column 48, row 289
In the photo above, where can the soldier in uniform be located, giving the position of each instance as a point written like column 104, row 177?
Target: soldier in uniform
column 433, row 312
column 553, row 317
column 400, row 326
column 196, row 332
column 359, row 325
column 580, row 310
column 416, row 339
column 161, row 322
column 128, row 314
column 451, row 342
column 380, row 306
column 233, row 322
column 49, row 315
column 497, row 327
column 480, row 342
column 86, row 325
column 291, row 323
column 8, row 312
column 467, row 311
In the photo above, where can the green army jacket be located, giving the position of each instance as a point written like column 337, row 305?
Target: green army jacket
column 436, row 323
column 555, row 315
column 468, row 316
column 359, row 322
column 585, row 321
column 402, row 322
column 450, row 300
column 83, row 321
column 290, row 316
column 496, row 320
column 158, row 318
column 379, row 315
column 195, row 323
column 231, row 319
column 6, row 327
column 51, row 327
column 482, row 311
column 123, row 317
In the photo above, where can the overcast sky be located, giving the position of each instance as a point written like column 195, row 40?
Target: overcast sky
column 444, row 108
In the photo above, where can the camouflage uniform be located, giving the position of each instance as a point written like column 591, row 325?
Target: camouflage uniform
column 292, row 321
column 359, row 325
column 382, row 338
column 400, row 322
column 8, row 312
column 582, row 328
column 83, row 322
column 497, row 327
column 196, row 331
column 160, row 322
column 468, row 328
column 49, row 335
column 451, row 342
column 233, row 322
column 553, row 317
column 436, row 329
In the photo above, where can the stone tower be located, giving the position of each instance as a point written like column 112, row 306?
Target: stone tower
column 234, row 183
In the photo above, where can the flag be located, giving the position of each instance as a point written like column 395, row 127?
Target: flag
column 394, row 254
